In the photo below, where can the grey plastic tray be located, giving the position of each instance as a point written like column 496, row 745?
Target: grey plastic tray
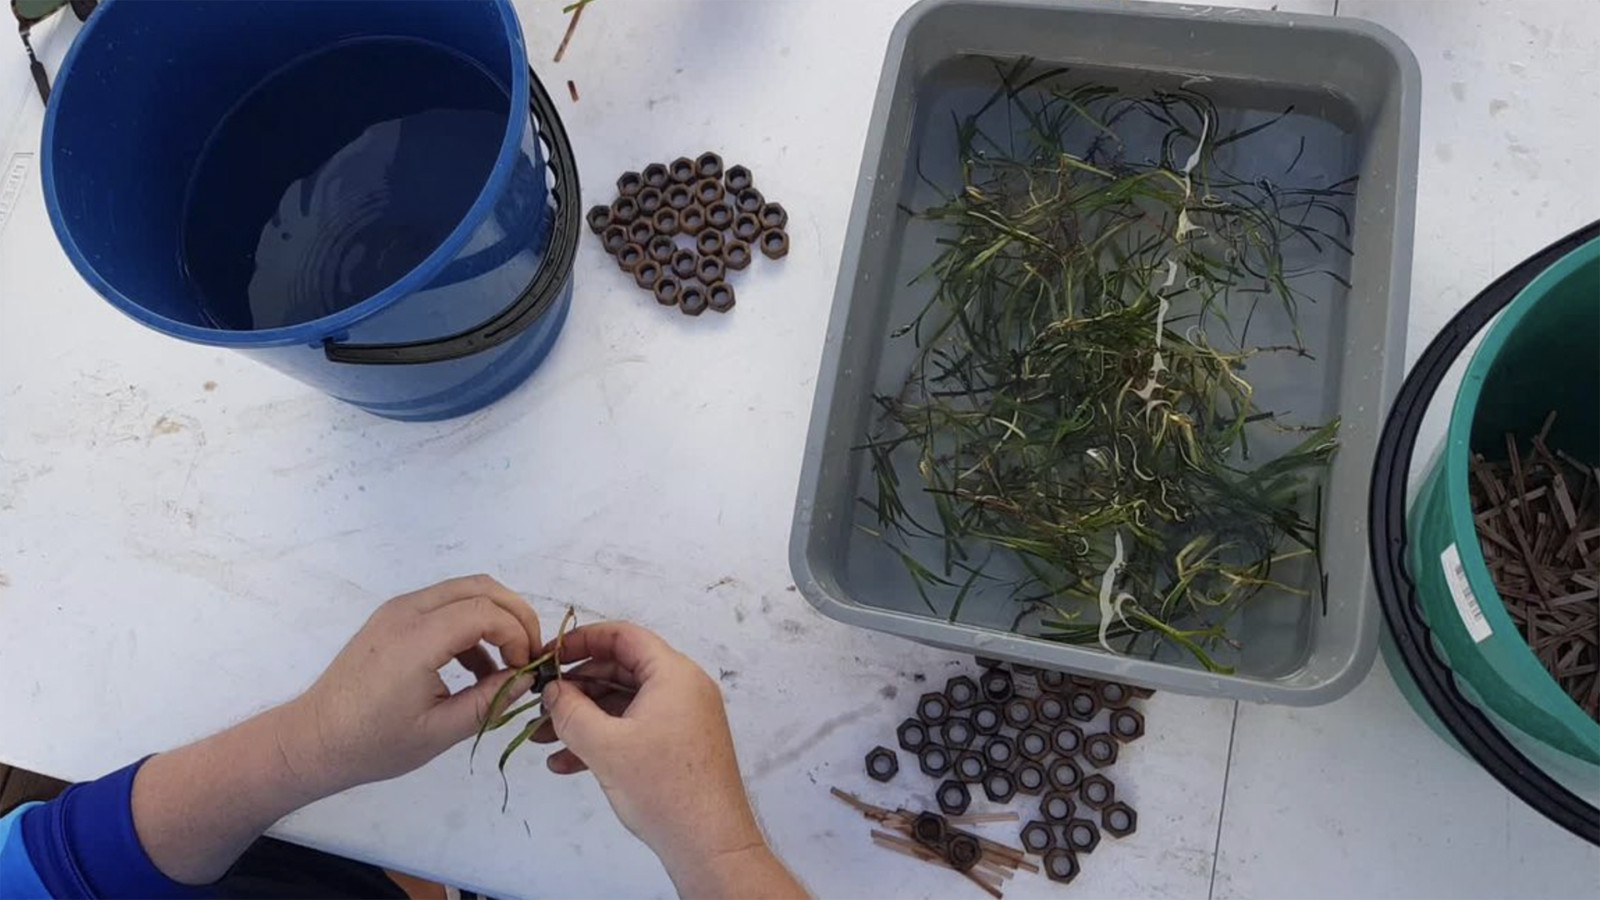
column 1355, row 88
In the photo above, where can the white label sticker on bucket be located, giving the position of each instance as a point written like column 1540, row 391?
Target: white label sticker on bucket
column 11, row 182
column 1455, row 575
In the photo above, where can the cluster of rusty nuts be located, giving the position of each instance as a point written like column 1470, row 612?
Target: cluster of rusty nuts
column 681, row 229
column 1020, row 731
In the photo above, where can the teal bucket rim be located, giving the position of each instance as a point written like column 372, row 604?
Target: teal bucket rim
column 1541, row 686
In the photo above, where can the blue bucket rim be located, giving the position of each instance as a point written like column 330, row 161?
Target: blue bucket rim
column 315, row 331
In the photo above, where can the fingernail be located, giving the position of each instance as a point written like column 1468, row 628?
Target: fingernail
column 551, row 692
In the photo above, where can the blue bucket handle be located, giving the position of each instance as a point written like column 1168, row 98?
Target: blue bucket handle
column 546, row 285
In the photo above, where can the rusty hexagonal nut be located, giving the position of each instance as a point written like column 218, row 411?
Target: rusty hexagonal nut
column 1034, row 744
column 1066, row 738
column 710, row 242
column 693, row 301
column 1100, row 750
column 708, row 165
column 646, row 273
column 629, row 184
column 1030, row 777
column 1097, row 792
column 1119, row 820
column 749, row 201
column 953, row 797
column 957, row 733
column 933, row 760
column 599, row 218
column 1051, row 680
column 961, row 691
column 736, row 254
column 684, row 264
column 913, row 735
column 988, row 662
column 641, row 231
column 722, row 296
column 773, row 215
column 1063, row 774
column 746, row 227
column 1050, row 709
column 681, row 170
column 962, row 851
column 997, row 685
column 710, row 270
column 708, row 191
column 678, row 196
column 1000, row 751
column 1018, row 712
column 1037, row 837
column 692, row 220
column 614, row 238
column 969, row 766
column 882, row 764
column 1113, row 695
column 649, row 201
column 1082, row 835
column 1127, row 724
column 719, row 215
column 666, row 221
column 929, row 829
column 986, row 718
column 624, row 210
column 933, row 708
column 1057, row 806
column 667, row 290
column 655, row 175
column 661, row 248
column 1083, row 705
column 738, row 178
column 630, row 256
column 999, row 786
column 1061, row 865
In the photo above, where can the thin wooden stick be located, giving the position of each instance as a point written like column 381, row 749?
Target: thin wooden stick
column 572, row 24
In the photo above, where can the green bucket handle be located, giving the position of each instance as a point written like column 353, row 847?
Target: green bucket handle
column 1476, row 734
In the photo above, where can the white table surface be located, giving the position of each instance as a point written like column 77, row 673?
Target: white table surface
column 186, row 537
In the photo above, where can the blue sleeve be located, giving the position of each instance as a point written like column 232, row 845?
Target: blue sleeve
column 82, row 845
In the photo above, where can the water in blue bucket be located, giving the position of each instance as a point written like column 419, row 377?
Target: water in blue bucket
column 373, row 196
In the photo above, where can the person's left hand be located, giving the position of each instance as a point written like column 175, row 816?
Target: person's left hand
column 381, row 710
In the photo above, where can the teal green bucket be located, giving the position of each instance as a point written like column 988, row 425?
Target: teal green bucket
column 1452, row 645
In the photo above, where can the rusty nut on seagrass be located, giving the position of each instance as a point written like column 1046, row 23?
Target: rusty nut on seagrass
column 655, row 175
column 999, row 786
column 1127, row 724
column 646, row 273
column 629, row 257
column 969, row 766
column 962, row 851
column 1037, row 837
column 913, row 735
column 1100, row 750
column 882, row 764
column 681, row 170
column 599, row 218
column 1082, row 835
column 1097, row 792
column 1119, row 820
column 1019, row 712
column 961, row 691
column 997, row 685
column 933, row 708
column 1057, row 806
column 1061, row 865
column 1030, row 777
column 722, row 296
column 933, row 760
column 953, row 797
column 667, row 289
column 1063, row 774
column 735, row 254
column 692, row 221
column 929, row 829
column 957, row 733
column 693, row 301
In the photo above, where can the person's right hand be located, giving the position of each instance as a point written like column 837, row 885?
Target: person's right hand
column 664, row 756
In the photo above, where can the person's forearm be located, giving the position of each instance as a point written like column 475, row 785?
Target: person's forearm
column 197, row 808
column 753, row 873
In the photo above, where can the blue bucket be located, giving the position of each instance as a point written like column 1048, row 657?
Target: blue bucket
column 353, row 192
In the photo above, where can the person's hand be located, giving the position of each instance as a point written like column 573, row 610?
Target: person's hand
column 663, row 755
column 381, row 710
